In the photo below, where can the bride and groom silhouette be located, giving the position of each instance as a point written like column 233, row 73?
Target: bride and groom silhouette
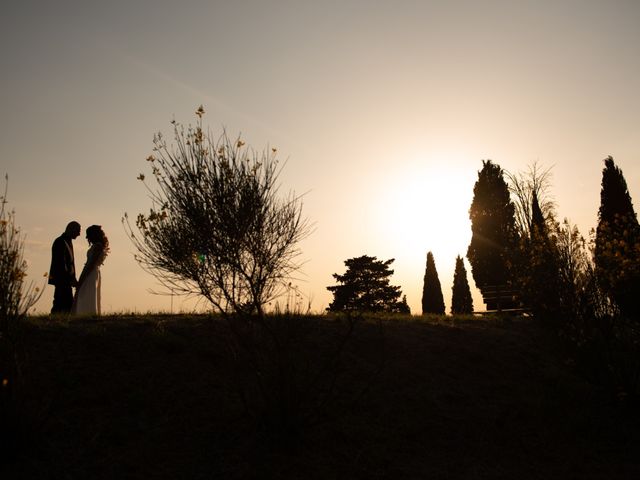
column 62, row 274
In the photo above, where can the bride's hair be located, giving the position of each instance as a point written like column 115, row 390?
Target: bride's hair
column 96, row 235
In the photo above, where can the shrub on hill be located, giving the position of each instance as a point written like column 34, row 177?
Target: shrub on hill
column 365, row 287
column 218, row 227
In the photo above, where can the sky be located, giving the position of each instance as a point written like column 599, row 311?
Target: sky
column 383, row 111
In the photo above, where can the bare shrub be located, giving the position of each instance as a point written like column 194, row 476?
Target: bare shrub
column 17, row 296
column 524, row 186
column 217, row 227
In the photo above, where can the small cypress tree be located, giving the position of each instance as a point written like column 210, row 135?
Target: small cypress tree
column 461, row 301
column 432, row 300
column 538, row 223
column 403, row 306
column 617, row 249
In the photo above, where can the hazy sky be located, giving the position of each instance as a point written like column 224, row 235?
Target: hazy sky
column 384, row 110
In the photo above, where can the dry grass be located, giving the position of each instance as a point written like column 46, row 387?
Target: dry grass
column 155, row 397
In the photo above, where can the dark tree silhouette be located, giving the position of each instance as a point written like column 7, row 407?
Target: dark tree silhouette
column 538, row 224
column 403, row 306
column 523, row 186
column 219, row 226
column 432, row 300
column 364, row 287
column 17, row 296
column 539, row 274
column 535, row 261
column 461, row 301
column 493, row 229
column 617, row 248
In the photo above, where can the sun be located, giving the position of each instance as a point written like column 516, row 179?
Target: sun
column 427, row 209
column 423, row 206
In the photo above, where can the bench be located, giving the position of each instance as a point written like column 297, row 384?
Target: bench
column 501, row 298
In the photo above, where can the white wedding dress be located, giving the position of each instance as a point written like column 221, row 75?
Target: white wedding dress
column 87, row 300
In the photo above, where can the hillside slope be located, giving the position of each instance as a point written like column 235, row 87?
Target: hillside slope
column 158, row 397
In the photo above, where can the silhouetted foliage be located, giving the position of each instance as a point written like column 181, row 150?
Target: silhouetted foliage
column 523, row 186
column 432, row 300
column 217, row 226
column 604, row 340
column 574, row 264
column 617, row 245
column 538, row 223
column 403, row 306
column 16, row 298
column 537, row 274
column 534, row 261
column 461, row 301
column 580, row 299
column 493, row 229
column 364, row 287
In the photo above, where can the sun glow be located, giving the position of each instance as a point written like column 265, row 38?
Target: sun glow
column 424, row 208
column 427, row 210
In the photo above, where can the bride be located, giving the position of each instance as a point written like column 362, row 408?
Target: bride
column 87, row 299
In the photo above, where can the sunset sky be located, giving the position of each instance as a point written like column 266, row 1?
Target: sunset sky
column 384, row 111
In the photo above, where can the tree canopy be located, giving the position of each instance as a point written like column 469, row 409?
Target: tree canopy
column 365, row 287
column 492, row 226
column 218, row 226
column 617, row 249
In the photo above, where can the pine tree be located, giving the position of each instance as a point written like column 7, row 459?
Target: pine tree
column 461, row 301
column 432, row 300
column 617, row 249
column 365, row 287
column 494, row 237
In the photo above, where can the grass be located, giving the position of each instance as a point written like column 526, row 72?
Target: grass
column 156, row 396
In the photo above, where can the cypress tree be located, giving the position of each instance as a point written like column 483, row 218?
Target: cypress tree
column 432, row 300
column 494, row 238
column 539, row 279
column 615, row 200
column 617, row 249
column 538, row 223
column 461, row 301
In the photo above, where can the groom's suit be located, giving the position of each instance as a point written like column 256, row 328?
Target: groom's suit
column 62, row 273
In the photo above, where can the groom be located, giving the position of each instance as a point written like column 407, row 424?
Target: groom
column 63, row 271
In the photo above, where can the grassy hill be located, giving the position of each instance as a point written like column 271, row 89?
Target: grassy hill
column 174, row 397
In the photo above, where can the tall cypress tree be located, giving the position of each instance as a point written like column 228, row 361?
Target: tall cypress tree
column 461, row 301
column 617, row 250
column 494, row 238
column 538, row 224
column 538, row 279
column 432, row 300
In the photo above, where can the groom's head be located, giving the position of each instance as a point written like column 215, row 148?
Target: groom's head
column 72, row 230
